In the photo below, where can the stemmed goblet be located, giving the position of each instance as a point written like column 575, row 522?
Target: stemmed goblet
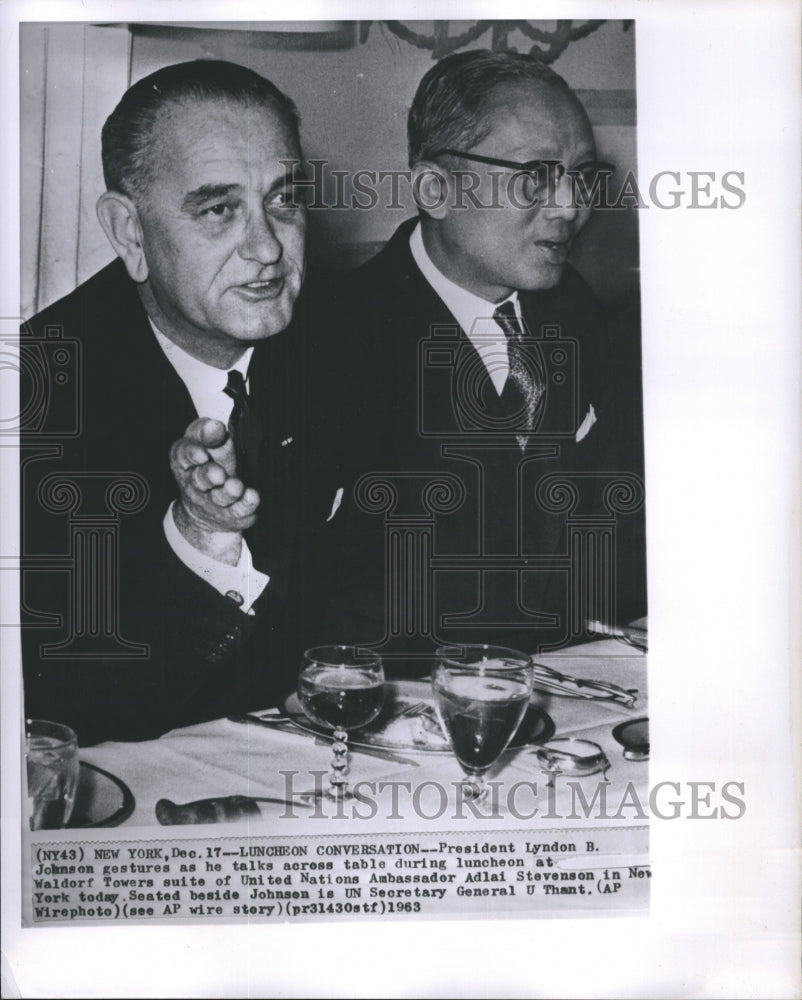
column 481, row 694
column 341, row 688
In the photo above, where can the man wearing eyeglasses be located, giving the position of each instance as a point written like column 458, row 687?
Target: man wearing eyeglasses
column 501, row 384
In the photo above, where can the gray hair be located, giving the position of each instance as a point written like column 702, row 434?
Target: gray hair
column 128, row 132
column 448, row 108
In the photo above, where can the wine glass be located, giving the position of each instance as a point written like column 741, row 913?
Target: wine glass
column 341, row 688
column 481, row 694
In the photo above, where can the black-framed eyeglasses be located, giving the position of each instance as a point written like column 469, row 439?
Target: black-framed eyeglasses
column 542, row 177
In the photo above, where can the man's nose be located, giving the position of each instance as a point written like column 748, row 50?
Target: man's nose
column 259, row 241
column 564, row 202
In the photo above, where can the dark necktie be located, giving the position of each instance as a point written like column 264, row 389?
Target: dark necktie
column 525, row 386
column 245, row 429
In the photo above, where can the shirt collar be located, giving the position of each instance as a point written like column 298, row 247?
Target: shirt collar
column 197, row 375
column 465, row 307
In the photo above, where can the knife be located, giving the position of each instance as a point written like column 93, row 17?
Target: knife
column 225, row 809
column 273, row 721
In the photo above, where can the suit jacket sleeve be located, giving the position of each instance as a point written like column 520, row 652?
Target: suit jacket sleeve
column 180, row 652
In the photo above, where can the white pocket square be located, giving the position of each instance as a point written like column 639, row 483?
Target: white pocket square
column 338, row 499
column 587, row 423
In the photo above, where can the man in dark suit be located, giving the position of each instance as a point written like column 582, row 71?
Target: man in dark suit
column 510, row 472
column 178, row 540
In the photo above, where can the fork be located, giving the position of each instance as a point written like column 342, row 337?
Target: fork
column 286, row 724
column 579, row 687
column 414, row 710
column 633, row 635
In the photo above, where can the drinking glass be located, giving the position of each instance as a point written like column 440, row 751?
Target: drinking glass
column 481, row 694
column 341, row 688
column 51, row 752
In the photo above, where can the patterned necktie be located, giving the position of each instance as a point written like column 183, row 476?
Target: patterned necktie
column 525, row 386
column 244, row 427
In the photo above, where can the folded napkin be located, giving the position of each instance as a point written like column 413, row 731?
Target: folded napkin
column 222, row 758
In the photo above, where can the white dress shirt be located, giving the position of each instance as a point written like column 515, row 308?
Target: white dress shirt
column 205, row 384
column 475, row 317
column 474, row 314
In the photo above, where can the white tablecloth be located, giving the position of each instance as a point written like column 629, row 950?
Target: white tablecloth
column 224, row 758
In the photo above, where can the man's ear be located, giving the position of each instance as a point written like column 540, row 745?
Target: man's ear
column 431, row 188
column 120, row 221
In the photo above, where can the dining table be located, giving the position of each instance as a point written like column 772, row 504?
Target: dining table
column 227, row 757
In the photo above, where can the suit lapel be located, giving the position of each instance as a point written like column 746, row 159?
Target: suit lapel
column 135, row 404
column 444, row 352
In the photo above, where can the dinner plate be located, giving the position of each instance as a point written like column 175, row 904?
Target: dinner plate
column 102, row 799
column 422, row 733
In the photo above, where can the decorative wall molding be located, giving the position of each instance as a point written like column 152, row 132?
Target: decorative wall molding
column 549, row 43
